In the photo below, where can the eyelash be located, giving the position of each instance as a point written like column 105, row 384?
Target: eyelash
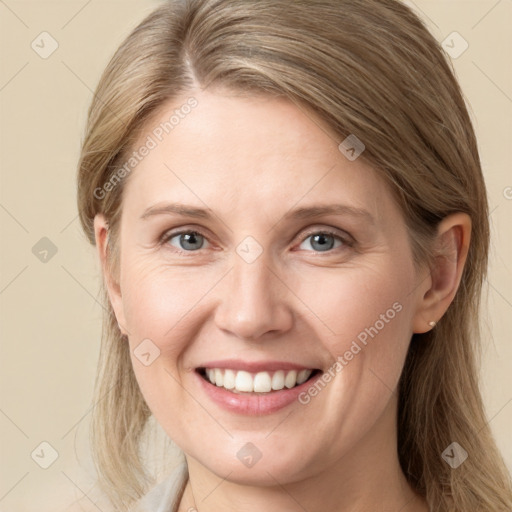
column 346, row 241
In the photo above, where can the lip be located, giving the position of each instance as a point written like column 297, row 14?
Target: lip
column 252, row 404
column 254, row 366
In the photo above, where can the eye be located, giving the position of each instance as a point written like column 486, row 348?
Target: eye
column 318, row 241
column 188, row 241
column 323, row 241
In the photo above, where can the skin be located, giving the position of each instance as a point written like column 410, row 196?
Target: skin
column 294, row 303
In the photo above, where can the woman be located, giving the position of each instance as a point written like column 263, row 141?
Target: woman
column 290, row 214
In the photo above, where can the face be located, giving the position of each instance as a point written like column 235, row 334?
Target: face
column 256, row 255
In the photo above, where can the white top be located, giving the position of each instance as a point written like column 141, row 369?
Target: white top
column 163, row 497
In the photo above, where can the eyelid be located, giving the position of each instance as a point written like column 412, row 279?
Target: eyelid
column 342, row 235
column 167, row 235
column 345, row 237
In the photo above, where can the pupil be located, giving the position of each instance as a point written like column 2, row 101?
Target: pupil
column 321, row 239
column 188, row 239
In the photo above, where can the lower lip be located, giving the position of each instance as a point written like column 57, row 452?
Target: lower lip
column 253, row 404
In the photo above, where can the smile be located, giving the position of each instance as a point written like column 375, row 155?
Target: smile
column 254, row 389
column 240, row 381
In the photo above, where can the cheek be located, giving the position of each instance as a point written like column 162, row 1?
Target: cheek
column 164, row 308
column 366, row 317
column 370, row 313
column 158, row 302
column 158, row 298
column 360, row 303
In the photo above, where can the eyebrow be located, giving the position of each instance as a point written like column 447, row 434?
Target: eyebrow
column 176, row 208
column 299, row 213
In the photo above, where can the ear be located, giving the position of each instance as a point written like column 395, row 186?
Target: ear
column 101, row 234
column 451, row 250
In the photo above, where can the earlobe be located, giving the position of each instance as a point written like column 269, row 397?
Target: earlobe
column 451, row 250
column 101, row 234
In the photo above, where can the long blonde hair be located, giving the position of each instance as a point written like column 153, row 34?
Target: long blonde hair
column 364, row 67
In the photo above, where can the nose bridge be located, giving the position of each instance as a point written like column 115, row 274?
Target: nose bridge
column 253, row 300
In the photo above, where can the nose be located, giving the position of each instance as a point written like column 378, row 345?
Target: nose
column 253, row 302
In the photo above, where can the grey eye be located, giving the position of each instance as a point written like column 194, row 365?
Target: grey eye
column 322, row 242
column 188, row 241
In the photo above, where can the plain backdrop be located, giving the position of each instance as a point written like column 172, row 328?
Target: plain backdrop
column 50, row 315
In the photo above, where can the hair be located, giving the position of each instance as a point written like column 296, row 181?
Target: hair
column 364, row 67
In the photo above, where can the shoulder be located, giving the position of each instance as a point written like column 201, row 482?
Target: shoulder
column 162, row 497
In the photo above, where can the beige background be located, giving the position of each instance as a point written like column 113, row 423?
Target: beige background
column 50, row 318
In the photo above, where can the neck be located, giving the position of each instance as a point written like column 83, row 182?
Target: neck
column 367, row 477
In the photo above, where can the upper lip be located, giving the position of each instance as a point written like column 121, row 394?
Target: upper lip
column 255, row 366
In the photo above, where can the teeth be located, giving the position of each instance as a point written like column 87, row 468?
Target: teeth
column 229, row 379
column 291, row 379
column 261, row 382
column 278, row 380
column 243, row 382
column 219, row 377
column 303, row 376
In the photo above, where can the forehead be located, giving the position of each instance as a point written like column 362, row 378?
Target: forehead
column 244, row 153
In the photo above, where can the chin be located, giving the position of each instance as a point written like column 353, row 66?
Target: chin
column 251, row 466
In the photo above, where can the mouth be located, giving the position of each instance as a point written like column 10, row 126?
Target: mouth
column 260, row 383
